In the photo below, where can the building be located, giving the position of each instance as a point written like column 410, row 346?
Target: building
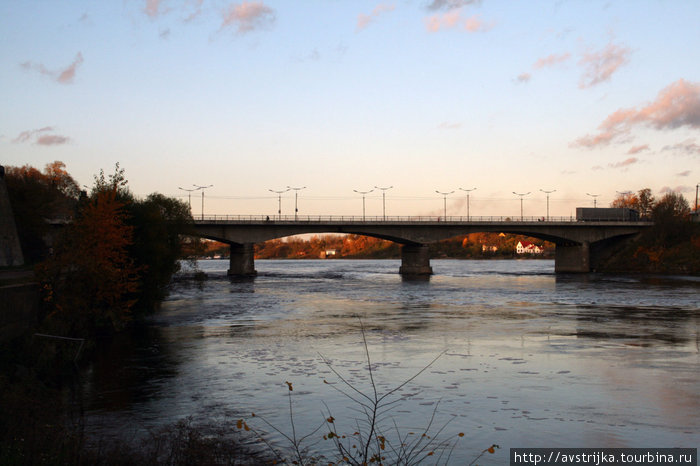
column 525, row 247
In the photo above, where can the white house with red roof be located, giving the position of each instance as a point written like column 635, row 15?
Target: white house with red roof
column 525, row 247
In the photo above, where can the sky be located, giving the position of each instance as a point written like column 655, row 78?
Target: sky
column 585, row 99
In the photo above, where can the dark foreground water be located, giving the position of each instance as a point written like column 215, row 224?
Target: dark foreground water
column 532, row 359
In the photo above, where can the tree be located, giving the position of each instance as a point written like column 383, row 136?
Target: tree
column 160, row 225
column 38, row 199
column 91, row 279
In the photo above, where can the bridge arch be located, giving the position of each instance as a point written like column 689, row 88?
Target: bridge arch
column 580, row 245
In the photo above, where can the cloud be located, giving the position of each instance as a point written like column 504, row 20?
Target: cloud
column 164, row 34
column 449, row 125
column 523, row 77
column 64, row 76
column 39, row 136
column 453, row 19
column 638, row 149
column 600, row 66
column 677, row 105
column 152, row 8
column 677, row 189
column 625, row 163
column 363, row 20
column 687, row 147
column 551, row 60
column 52, row 140
column 685, row 173
column 197, row 11
column 437, row 5
column 248, row 16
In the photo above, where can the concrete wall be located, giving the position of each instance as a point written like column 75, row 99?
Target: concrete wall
column 10, row 249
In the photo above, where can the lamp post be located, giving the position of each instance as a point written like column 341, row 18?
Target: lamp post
column 296, row 200
column 548, row 193
column 696, row 197
column 594, row 198
column 364, row 193
column 384, row 190
column 279, row 201
column 189, row 196
column 202, row 188
column 521, row 202
column 444, row 197
column 467, row 191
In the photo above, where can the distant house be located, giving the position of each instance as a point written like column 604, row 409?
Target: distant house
column 525, row 247
column 488, row 248
column 329, row 253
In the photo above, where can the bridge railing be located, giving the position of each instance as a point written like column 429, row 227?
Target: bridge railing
column 373, row 219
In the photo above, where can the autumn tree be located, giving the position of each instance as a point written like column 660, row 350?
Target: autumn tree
column 38, row 200
column 91, row 281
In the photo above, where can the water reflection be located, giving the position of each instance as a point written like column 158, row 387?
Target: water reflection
column 579, row 361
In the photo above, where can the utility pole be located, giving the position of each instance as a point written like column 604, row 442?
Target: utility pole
column 279, row 201
column 521, row 202
column 384, row 190
column 189, row 196
column 594, row 198
column 467, row 191
column 202, row 188
column 363, row 200
column 548, row 193
column 444, row 195
column 296, row 200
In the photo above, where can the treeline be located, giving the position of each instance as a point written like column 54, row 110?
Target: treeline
column 671, row 245
column 102, row 256
column 473, row 246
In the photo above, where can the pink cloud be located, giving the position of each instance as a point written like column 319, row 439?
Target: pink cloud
column 675, row 106
column 52, row 140
column 39, row 137
column 677, row 189
column 248, row 16
column 453, row 19
column 523, row 77
column 600, row 66
column 685, row 173
column 152, row 8
column 64, row 76
column 637, row 149
column 363, row 20
column 551, row 60
column 625, row 163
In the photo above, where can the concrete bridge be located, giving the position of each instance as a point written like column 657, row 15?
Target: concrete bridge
column 580, row 245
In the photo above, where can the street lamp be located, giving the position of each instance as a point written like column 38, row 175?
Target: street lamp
column 594, row 198
column 296, row 200
column 548, row 193
column 364, row 193
column 279, row 201
column 189, row 196
column 521, row 202
column 384, row 190
column 202, row 188
column 696, row 197
column 467, row 191
column 444, row 196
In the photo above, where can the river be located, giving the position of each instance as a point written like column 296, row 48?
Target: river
column 531, row 359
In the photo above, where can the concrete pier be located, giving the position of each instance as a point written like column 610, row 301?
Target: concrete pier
column 572, row 258
column 415, row 260
column 242, row 261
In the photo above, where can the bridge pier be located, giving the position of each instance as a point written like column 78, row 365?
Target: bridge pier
column 573, row 258
column 415, row 260
column 242, row 261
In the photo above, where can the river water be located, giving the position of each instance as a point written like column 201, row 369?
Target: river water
column 531, row 359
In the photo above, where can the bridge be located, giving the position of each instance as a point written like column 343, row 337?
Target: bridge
column 580, row 245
